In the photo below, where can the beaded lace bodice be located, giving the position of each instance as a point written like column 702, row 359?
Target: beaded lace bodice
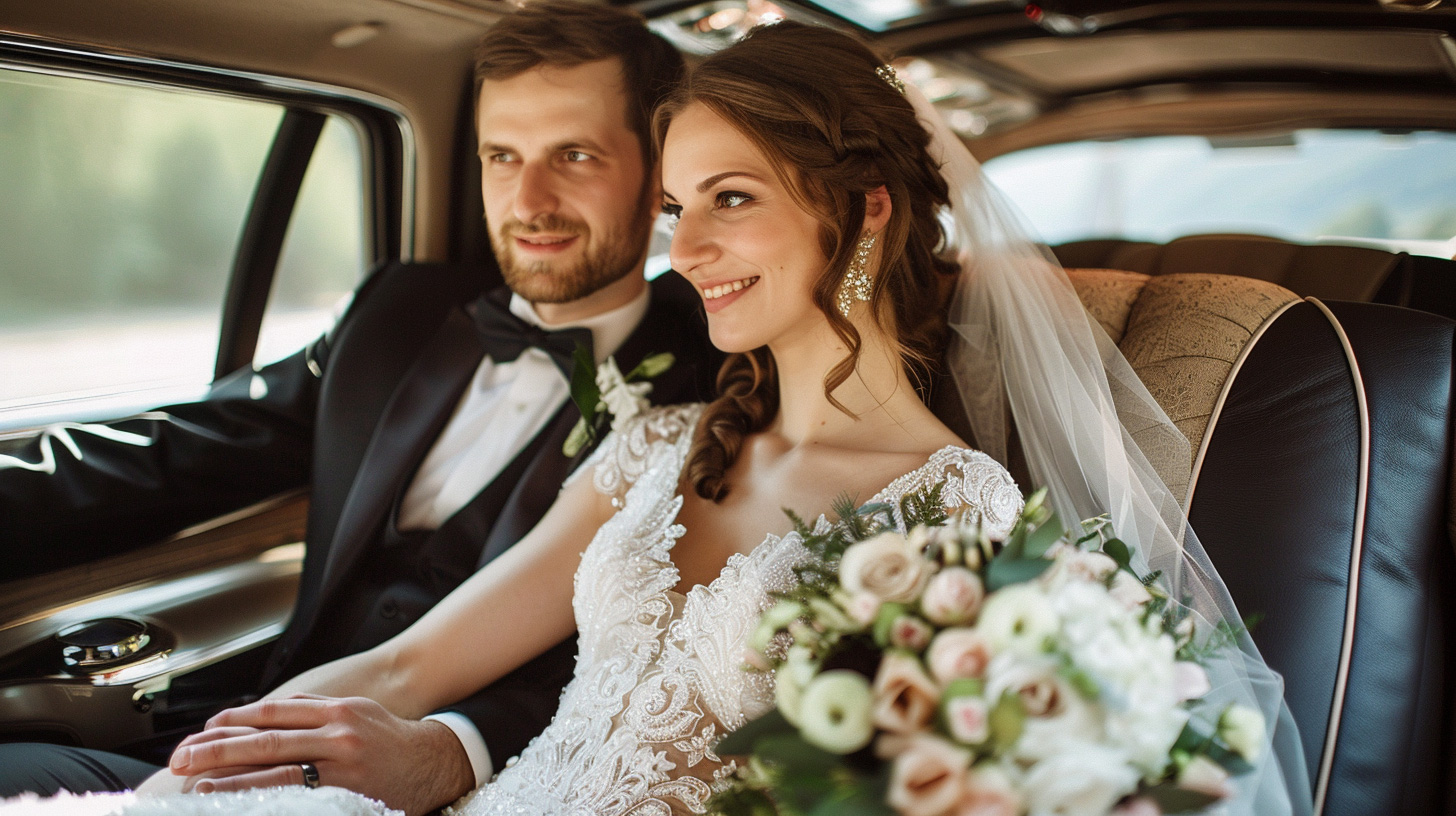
column 659, row 676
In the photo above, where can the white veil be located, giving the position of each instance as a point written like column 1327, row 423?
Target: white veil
column 1088, row 427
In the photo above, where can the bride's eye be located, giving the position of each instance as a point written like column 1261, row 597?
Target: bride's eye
column 673, row 213
column 729, row 199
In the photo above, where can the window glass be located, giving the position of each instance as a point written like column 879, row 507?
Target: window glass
column 119, row 220
column 324, row 253
column 1386, row 190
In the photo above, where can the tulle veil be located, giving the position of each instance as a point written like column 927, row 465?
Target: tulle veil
column 1090, row 431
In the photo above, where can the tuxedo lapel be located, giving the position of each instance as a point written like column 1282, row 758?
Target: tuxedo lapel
column 409, row 424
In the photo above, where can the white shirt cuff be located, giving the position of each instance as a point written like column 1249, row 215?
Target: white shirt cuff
column 470, row 740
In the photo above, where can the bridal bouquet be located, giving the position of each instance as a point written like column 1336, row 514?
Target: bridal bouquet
column 943, row 672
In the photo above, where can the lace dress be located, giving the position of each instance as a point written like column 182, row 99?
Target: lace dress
column 659, row 676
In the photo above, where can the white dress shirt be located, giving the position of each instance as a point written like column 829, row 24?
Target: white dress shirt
column 505, row 406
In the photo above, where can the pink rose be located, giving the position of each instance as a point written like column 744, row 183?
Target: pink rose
column 968, row 719
column 953, row 596
column 1129, row 591
column 1141, row 806
column 887, row 566
column 928, row 778
column 988, row 792
column 958, row 653
column 1205, row 776
column 910, row 632
column 863, row 607
column 905, row 698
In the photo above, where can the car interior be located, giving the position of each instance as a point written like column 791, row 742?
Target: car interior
column 193, row 188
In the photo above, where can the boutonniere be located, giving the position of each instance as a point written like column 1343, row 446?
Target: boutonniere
column 606, row 397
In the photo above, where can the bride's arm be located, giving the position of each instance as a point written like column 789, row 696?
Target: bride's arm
column 512, row 610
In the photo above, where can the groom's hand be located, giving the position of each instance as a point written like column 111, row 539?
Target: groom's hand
column 412, row 765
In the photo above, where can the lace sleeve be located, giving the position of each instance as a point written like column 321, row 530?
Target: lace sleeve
column 972, row 482
column 624, row 453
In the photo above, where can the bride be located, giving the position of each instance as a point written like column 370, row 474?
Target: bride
column 808, row 195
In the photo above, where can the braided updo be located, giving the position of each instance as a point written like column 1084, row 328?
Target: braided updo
column 810, row 100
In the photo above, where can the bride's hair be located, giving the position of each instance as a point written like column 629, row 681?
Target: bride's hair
column 833, row 130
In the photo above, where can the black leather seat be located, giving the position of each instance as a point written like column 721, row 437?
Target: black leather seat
column 1323, row 496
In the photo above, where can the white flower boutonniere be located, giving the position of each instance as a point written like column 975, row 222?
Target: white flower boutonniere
column 606, row 397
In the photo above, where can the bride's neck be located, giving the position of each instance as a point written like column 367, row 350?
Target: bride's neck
column 877, row 392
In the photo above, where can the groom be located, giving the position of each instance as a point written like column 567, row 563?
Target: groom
column 429, row 425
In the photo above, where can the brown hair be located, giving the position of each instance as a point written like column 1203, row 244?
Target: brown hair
column 810, row 100
column 566, row 33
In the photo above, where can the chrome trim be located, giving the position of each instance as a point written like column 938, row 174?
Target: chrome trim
column 1357, row 549
column 408, row 157
column 1218, row 404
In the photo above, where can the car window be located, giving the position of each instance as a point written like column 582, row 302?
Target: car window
column 1388, row 190
column 121, row 216
column 325, row 249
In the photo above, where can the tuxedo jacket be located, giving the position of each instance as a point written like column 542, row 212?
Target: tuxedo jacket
column 350, row 418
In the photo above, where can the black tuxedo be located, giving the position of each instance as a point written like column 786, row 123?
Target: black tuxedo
column 351, row 417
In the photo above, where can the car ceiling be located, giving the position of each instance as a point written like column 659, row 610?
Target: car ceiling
column 1059, row 70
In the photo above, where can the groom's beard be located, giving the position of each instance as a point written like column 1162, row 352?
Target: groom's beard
column 607, row 256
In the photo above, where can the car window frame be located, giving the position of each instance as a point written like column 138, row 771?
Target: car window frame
column 387, row 146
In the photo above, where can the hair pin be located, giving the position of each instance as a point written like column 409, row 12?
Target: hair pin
column 887, row 73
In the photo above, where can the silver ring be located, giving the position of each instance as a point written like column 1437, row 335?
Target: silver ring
column 310, row 774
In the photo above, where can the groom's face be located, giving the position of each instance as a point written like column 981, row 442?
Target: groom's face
column 567, row 198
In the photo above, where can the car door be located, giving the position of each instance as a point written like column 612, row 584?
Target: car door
column 162, row 225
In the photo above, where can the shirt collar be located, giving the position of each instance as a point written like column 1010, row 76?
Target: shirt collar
column 609, row 329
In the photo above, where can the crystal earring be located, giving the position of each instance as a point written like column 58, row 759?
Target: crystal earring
column 856, row 283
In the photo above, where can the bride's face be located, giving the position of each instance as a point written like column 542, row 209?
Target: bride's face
column 741, row 239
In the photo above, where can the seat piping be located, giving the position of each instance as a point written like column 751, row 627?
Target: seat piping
column 1352, row 598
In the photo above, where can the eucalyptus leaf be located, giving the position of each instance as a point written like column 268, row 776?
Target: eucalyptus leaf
column 1005, row 572
column 1041, row 539
column 584, row 390
column 1117, row 551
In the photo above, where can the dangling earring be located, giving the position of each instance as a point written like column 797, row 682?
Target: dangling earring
column 856, row 283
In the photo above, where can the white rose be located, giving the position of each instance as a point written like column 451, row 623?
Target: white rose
column 835, row 712
column 1086, row 780
column 905, row 698
column 887, row 566
column 1242, row 729
column 928, row 777
column 1019, row 618
column 863, row 607
column 953, row 596
column 1056, row 713
column 1072, row 564
column 958, row 653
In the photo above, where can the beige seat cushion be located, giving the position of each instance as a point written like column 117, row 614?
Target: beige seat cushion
column 1181, row 334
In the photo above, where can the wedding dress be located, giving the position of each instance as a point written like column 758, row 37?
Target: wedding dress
column 660, row 676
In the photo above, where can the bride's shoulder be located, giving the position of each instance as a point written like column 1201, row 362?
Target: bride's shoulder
column 971, row 481
column 634, row 443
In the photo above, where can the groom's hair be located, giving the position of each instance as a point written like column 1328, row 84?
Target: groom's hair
column 565, row 33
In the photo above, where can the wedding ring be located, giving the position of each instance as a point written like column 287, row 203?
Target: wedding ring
column 310, row 774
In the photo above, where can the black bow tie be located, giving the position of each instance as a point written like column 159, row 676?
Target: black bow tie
column 505, row 336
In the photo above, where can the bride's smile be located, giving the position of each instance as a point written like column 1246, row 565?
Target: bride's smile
column 741, row 238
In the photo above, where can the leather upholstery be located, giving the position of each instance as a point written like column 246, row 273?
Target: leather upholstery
column 1278, row 504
